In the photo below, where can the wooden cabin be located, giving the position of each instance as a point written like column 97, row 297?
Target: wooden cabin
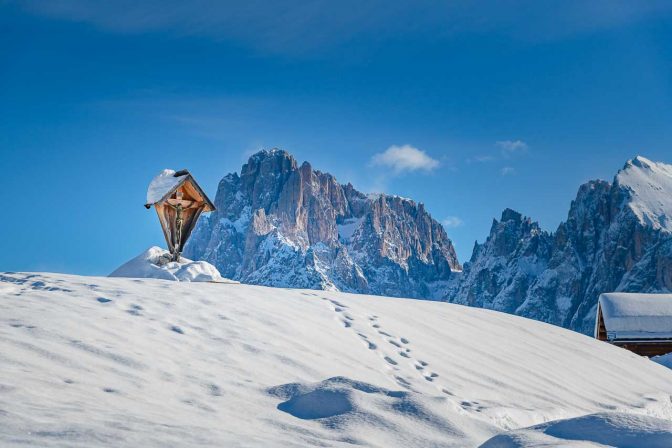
column 641, row 323
column 178, row 201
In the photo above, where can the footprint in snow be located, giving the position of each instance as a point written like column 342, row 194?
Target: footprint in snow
column 177, row 329
column 404, row 354
column 395, row 343
column 370, row 344
column 346, row 324
column 103, row 300
column 402, row 382
column 404, row 341
column 134, row 310
column 214, row 390
column 431, row 376
column 338, row 304
column 467, row 404
column 391, row 361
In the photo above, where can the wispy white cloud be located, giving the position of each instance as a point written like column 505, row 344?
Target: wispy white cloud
column 508, row 171
column 404, row 159
column 450, row 222
column 512, row 147
column 507, row 150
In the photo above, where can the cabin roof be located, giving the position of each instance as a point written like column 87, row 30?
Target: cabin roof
column 636, row 316
column 167, row 181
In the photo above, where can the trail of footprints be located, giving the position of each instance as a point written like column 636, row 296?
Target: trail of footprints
column 401, row 346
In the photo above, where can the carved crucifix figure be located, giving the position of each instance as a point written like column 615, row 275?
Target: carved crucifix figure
column 179, row 205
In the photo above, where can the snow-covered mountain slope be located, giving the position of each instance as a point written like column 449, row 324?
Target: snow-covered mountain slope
column 89, row 361
column 649, row 185
column 281, row 224
column 617, row 237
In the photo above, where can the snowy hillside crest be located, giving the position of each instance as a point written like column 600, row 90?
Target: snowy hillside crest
column 99, row 361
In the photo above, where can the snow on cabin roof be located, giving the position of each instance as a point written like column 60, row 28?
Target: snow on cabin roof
column 163, row 184
column 637, row 316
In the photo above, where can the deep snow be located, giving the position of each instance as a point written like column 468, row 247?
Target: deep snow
column 90, row 361
column 155, row 263
column 595, row 430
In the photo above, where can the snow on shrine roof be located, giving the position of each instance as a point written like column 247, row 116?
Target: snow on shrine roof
column 636, row 316
column 163, row 184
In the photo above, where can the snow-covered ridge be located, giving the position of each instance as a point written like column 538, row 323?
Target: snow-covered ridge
column 650, row 186
column 90, row 361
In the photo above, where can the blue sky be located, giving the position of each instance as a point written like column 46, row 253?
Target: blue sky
column 469, row 107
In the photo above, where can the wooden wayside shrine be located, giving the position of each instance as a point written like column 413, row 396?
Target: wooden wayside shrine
column 179, row 202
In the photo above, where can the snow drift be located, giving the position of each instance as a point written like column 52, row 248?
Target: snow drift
column 155, row 263
column 90, row 361
column 595, row 430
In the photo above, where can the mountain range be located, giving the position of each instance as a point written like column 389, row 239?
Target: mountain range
column 281, row 224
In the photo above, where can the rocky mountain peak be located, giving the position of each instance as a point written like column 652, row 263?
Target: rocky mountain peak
column 640, row 162
column 511, row 215
column 645, row 187
column 281, row 224
column 616, row 238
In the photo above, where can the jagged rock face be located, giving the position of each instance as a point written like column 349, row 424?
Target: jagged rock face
column 502, row 269
column 280, row 224
column 617, row 237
